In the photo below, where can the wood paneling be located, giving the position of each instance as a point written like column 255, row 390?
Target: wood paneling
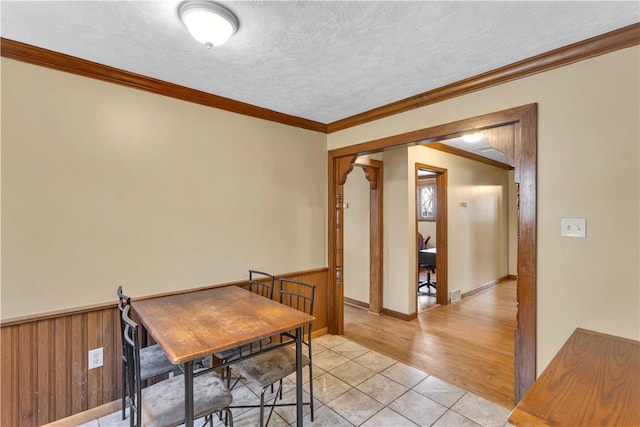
column 43, row 362
column 319, row 278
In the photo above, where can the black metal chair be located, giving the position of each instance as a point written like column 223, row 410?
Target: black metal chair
column 426, row 261
column 273, row 366
column 162, row 403
column 153, row 361
column 261, row 283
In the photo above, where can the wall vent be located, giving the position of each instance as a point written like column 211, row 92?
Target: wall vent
column 455, row 295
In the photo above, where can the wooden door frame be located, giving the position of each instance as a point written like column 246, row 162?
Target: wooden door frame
column 525, row 121
column 373, row 173
column 442, row 236
column 339, row 168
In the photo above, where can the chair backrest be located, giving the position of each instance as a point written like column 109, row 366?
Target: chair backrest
column 261, row 283
column 132, row 354
column 123, row 302
column 301, row 296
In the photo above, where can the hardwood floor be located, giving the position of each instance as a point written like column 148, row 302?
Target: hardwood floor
column 426, row 301
column 469, row 343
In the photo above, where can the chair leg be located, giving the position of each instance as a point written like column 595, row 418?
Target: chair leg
column 273, row 405
column 227, row 372
column 229, row 416
column 311, row 390
column 262, row 407
column 124, row 390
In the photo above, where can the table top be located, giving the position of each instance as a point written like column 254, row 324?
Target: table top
column 593, row 380
column 196, row 324
column 429, row 250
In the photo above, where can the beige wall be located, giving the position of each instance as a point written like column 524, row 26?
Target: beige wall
column 588, row 163
column 428, row 228
column 97, row 192
column 104, row 185
column 356, row 236
column 477, row 232
column 398, row 285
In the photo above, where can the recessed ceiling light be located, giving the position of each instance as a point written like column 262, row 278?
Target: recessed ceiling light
column 475, row 137
column 210, row 23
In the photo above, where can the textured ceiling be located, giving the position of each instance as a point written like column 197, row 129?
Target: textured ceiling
column 322, row 61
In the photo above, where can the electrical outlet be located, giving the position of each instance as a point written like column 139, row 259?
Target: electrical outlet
column 95, row 358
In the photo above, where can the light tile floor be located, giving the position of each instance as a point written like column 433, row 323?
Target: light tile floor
column 354, row 386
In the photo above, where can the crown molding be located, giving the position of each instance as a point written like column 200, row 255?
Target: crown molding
column 71, row 64
column 615, row 40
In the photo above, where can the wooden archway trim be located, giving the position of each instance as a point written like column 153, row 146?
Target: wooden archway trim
column 373, row 173
column 339, row 168
column 524, row 119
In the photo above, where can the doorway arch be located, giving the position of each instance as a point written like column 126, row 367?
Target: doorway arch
column 523, row 152
column 373, row 174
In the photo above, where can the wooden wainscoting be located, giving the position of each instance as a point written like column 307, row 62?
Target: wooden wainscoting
column 44, row 366
column 43, row 360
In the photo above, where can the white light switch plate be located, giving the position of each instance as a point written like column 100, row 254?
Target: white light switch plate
column 573, row 227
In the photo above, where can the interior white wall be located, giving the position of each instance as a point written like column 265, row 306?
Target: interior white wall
column 588, row 166
column 356, row 236
column 104, row 185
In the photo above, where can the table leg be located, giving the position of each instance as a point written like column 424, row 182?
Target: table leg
column 299, row 377
column 188, row 394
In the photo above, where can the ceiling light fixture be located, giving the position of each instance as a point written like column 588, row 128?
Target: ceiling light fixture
column 210, row 23
column 474, row 137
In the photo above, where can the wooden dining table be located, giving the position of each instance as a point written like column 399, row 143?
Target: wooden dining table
column 192, row 325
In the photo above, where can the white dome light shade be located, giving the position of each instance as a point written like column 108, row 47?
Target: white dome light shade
column 209, row 23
